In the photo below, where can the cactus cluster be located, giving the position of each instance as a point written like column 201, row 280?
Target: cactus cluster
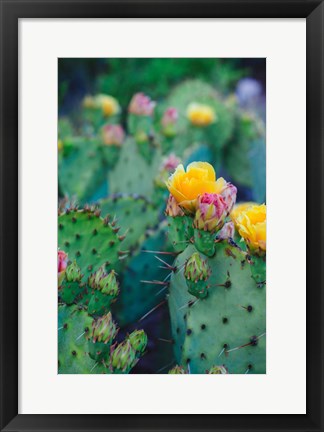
column 88, row 346
column 217, row 290
column 214, row 128
column 153, row 228
column 88, row 286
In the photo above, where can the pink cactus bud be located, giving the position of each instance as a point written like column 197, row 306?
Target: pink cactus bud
column 227, row 231
column 113, row 134
column 170, row 163
column 172, row 208
column 211, row 212
column 229, row 195
column 169, row 122
column 170, row 117
column 141, row 105
column 62, row 261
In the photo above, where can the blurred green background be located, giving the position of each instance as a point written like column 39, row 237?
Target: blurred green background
column 155, row 76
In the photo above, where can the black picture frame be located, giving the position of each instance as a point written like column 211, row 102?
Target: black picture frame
column 11, row 12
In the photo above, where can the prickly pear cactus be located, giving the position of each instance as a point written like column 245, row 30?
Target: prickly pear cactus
column 86, row 345
column 217, row 291
column 74, row 326
column 248, row 139
column 135, row 216
column 86, row 328
column 90, row 239
column 83, row 170
column 95, row 293
column 141, row 287
column 226, row 323
column 133, row 173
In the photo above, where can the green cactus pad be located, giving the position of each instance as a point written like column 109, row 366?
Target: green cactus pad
column 226, row 328
column 98, row 303
column 258, row 269
column 83, row 170
column 135, row 216
column 72, row 292
column 74, row 326
column 110, row 154
column 132, row 173
column 248, row 139
column 137, row 297
column 85, row 236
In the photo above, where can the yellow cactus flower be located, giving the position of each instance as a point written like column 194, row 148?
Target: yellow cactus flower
column 239, row 208
column 201, row 115
column 199, row 178
column 251, row 225
column 108, row 104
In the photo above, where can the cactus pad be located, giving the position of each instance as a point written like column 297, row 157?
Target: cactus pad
column 93, row 241
column 133, row 173
column 74, row 326
column 227, row 327
column 137, row 297
column 83, row 170
column 135, row 216
column 248, row 139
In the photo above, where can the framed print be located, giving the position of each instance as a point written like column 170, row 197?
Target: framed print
column 161, row 176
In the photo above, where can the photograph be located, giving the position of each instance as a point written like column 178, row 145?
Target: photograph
column 161, row 216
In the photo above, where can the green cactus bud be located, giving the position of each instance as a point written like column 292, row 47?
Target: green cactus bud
column 177, row 370
column 109, row 285
column 197, row 272
column 104, row 329
column 138, row 340
column 106, row 283
column 123, row 357
column 94, row 278
column 73, row 272
column 218, row 370
column 196, row 268
column 103, row 332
